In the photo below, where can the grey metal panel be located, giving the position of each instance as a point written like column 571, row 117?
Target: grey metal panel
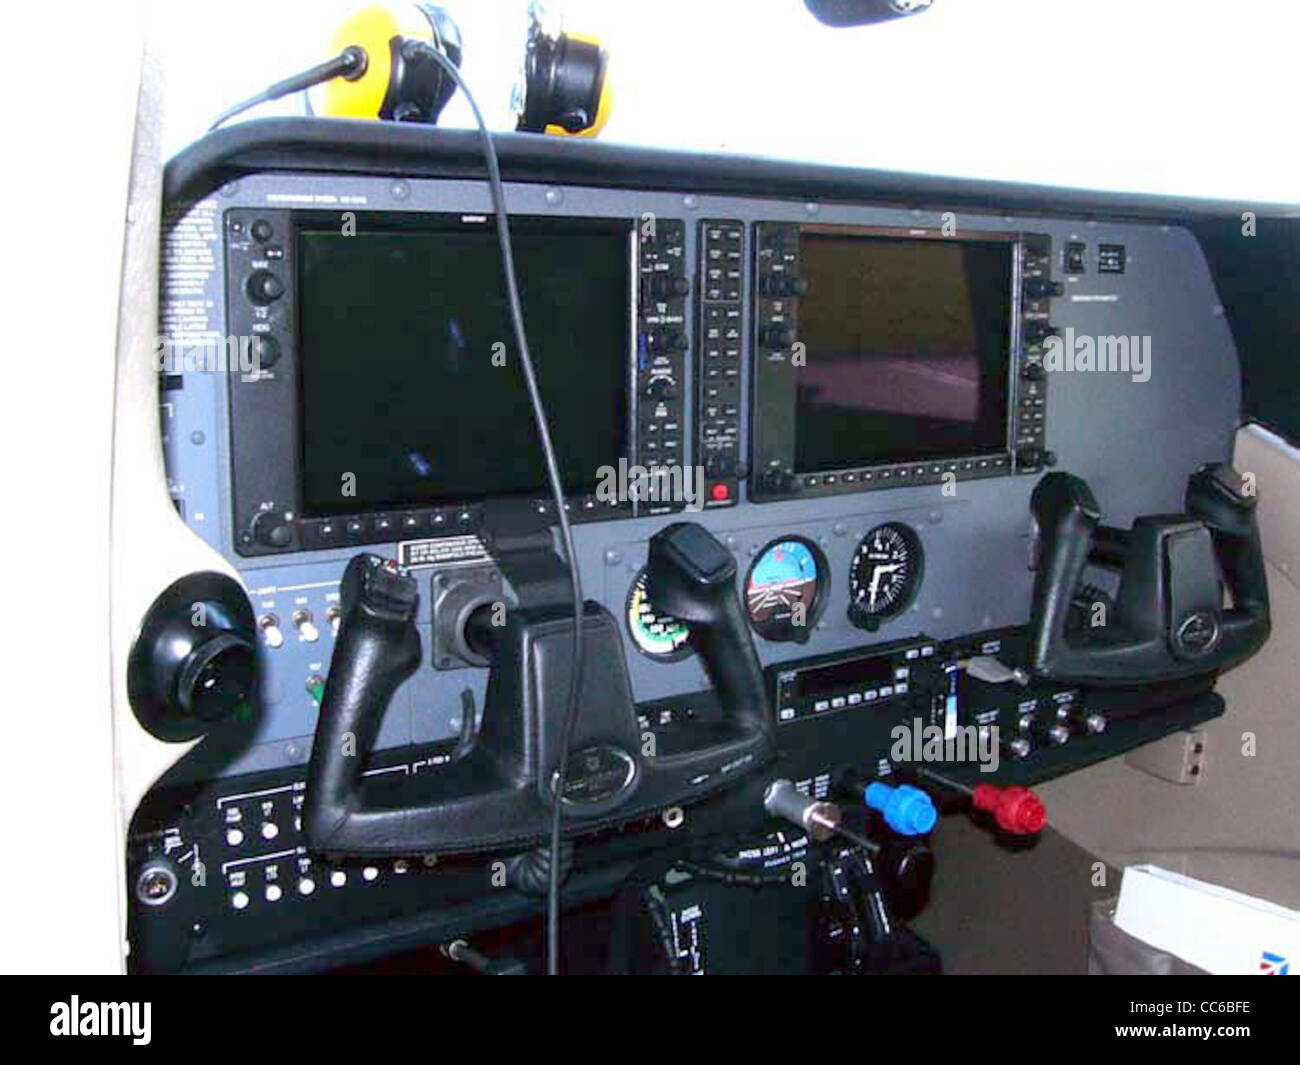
column 1135, row 442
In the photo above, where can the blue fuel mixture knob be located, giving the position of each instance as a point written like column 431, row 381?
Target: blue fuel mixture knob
column 907, row 810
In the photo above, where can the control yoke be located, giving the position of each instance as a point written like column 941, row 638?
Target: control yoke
column 693, row 577
column 498, row 788
column 1168, row 619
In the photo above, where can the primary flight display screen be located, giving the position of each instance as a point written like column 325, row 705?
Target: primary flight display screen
column 908, row 348
column 411, row 392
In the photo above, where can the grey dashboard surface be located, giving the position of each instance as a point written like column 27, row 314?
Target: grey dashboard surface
column 1134, row 441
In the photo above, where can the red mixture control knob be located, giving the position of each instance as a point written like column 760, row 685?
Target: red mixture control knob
column 1016, row 810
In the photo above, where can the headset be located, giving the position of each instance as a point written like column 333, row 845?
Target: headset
column 384, row 68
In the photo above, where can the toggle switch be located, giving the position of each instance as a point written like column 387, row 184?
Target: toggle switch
column 1091, row 724
column 307, row 631
column 269, row 625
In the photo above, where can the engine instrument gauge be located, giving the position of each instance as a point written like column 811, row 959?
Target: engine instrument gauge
column 785, row 591
column 885, row 574
column 661, row 636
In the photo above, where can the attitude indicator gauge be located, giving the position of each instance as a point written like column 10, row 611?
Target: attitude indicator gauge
column 785, row 590
column 661, row 636
column 885, row 574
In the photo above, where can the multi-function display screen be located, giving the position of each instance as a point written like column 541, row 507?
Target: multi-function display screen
column 908, row 345
column 411, row 388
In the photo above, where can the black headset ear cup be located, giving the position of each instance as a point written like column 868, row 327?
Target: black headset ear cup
column 446, row 37
column 564, row 79
column 418, row 87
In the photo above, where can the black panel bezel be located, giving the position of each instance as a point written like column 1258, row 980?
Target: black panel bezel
column 776, row 252
column 265, row 412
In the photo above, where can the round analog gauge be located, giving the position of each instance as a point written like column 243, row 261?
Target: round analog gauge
column 885, row 574
column 786, row 589
column 660, row 636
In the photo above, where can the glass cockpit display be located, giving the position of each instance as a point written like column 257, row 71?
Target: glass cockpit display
column 908, row 347
column 410, row 380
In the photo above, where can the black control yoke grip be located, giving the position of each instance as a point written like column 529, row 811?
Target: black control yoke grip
column 376, row 650
column 693, row 577
column 1170, row 619
column 1217, row 496
column 1066, row 516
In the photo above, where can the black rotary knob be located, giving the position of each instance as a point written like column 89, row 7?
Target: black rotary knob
column 272, row 529
column 267, row 350
column 264, row 287
column 1032, row 456
column 777, row 336
column 1040, row 288
column 779, row 482
column 669, row 340
column 1037, row 332
column 664, row 388
column 783, row 285
column 668, row 286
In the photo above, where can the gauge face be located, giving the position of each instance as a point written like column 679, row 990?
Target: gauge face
column 785, row 589
column 885, row 574
column 660, row 636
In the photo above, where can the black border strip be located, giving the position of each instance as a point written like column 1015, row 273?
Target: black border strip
column 351, row 146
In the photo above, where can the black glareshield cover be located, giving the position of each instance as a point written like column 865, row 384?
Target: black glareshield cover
column 1169, row 620
column 498, row 790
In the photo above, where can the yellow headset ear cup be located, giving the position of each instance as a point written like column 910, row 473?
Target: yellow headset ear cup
column 371, row 28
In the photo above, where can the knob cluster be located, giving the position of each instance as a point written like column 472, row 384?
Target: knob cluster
column 669, row 286
column 782, row 285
